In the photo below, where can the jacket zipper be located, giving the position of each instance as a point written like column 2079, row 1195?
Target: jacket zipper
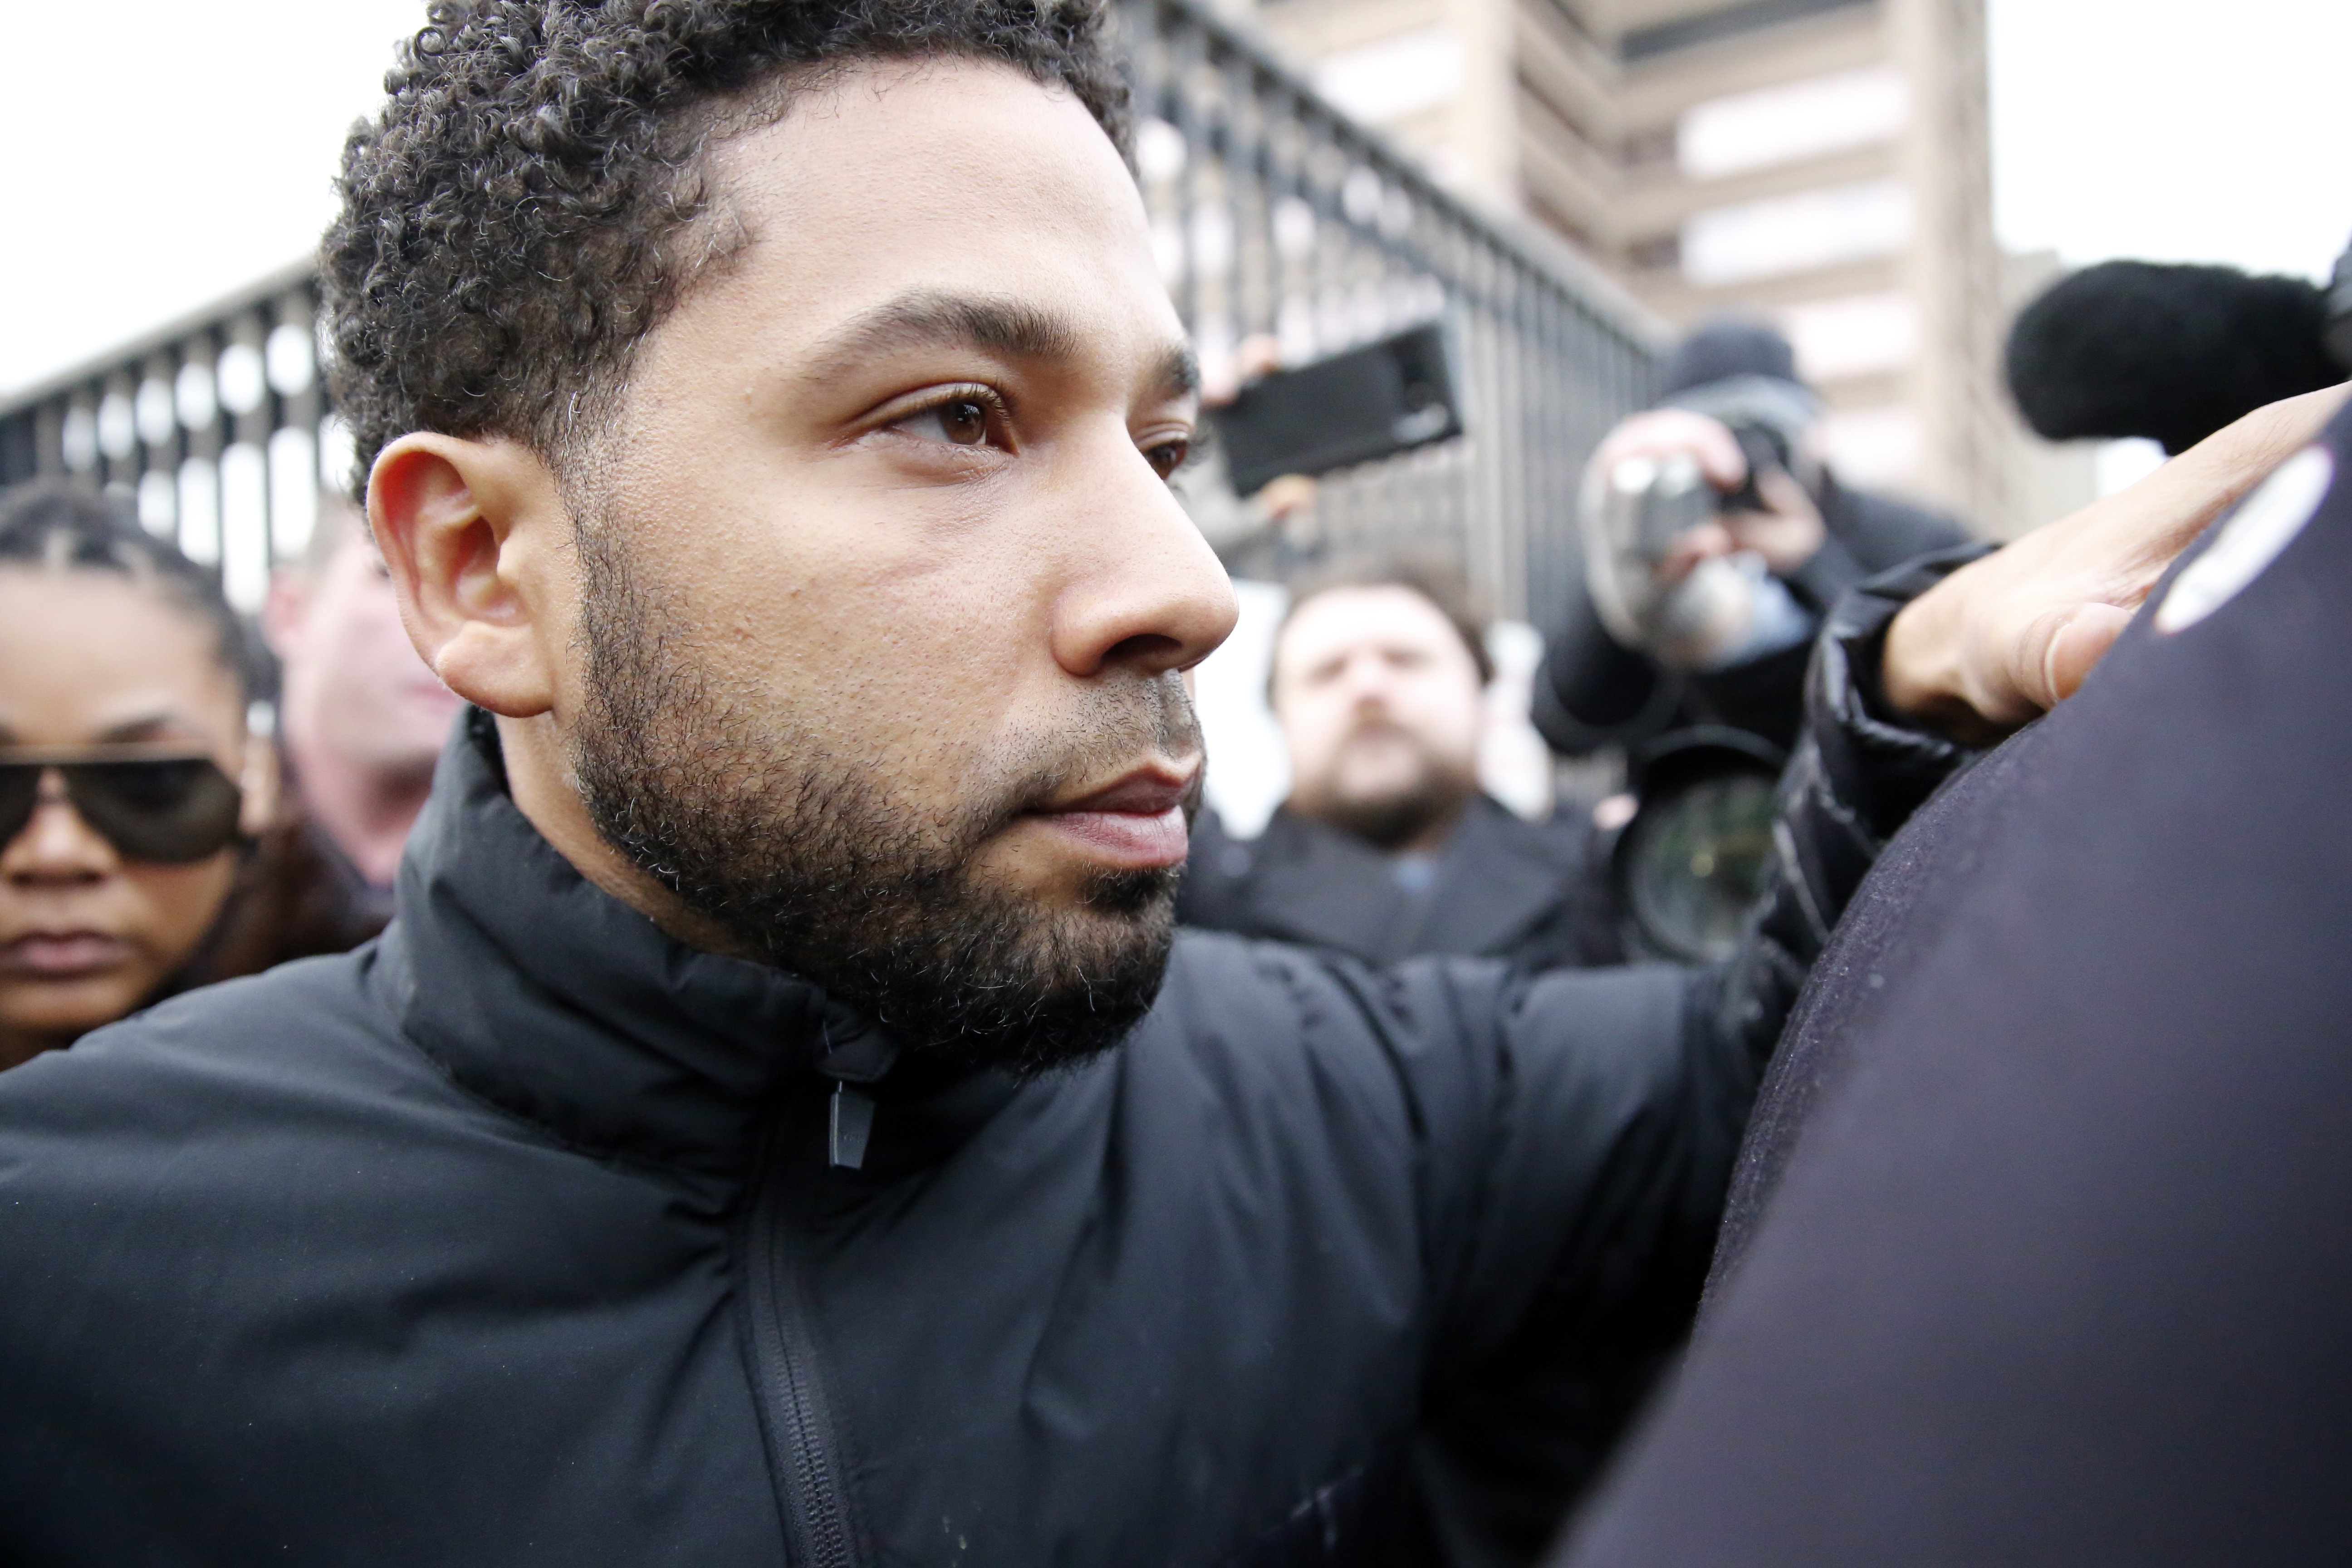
column 802, row 1441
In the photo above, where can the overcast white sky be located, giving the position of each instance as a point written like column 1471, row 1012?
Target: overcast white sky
column 162, row 152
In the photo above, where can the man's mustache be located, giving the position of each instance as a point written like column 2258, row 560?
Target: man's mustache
column 1125, row 727
column 1378, row 726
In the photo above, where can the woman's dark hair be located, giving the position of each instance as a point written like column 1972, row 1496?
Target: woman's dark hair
column 46, row 526
column 532, row 200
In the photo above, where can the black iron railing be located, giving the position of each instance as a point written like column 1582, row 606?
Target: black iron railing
column 1272, row 213
column 218, row 425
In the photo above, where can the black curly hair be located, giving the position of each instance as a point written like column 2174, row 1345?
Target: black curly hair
column 531, row 202
column 47, row 525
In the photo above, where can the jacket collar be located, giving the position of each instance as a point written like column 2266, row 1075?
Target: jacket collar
column 540, row 993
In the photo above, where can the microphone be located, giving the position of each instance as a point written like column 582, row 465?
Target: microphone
column 2171, row 353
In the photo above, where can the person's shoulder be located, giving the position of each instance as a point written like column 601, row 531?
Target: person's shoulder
column 303, row 1043
column 1268, row 1016
column 1277, row 1008
column 1225, row 970
column 1221, row 981
column 1262, row 1046
column 1281, row 997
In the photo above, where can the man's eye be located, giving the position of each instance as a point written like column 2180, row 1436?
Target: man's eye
column 1168, row 457
column 958, row 421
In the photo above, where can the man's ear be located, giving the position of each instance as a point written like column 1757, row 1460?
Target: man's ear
column 469, row 532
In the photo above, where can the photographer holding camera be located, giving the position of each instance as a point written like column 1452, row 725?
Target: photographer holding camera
column 1716, row 540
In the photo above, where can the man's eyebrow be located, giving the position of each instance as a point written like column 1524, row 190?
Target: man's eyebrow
column 1010, row 329
column 1179, row 371
column 925, row 320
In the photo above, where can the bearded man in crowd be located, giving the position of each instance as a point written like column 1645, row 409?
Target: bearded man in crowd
column 776, row 1125
column 1387, row 846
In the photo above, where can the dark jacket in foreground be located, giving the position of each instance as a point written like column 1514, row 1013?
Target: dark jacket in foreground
column 2042, row 1250
column 1591, row 692
column 1534, row 893
column 510, row 1239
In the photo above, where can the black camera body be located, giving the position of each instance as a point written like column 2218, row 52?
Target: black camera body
column 1678, row 499
column 1690, row 864
column 1766, row 447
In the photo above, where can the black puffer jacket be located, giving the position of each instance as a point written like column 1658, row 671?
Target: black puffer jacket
column 511, row 1238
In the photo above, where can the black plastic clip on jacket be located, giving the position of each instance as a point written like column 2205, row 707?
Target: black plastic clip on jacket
column 854, row 1055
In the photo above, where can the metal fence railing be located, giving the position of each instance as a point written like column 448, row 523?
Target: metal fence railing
column 218, row 425
column 1275, row 213
column 1272, row 213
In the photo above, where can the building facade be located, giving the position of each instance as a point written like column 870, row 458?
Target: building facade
column 1822, row 164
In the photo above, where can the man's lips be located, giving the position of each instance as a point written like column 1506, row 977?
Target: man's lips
column 1137, row 823
column 62, row 955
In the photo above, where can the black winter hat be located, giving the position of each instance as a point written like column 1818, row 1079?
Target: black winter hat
column 1726, row 346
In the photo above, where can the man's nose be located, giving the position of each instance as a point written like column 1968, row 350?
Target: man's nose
column 55, row 845
column 1144, row 590
column 1370, row 681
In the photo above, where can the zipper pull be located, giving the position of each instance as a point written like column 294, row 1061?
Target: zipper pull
column 851, row 1124
column 853, row 1053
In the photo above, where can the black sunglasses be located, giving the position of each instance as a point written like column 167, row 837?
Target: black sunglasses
column 151, row 804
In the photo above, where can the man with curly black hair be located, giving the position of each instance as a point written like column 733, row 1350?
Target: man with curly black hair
column 549, row 183
column 778, row 1125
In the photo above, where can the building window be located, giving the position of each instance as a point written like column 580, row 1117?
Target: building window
column 1788, row 125
column 1657, row 252
column 1796, row 234
column 1395, row 76
column 1873, row 447
column 1858, row 335
column 1648, row 149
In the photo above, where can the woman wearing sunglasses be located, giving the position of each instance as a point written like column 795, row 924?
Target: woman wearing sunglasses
column 128, row 784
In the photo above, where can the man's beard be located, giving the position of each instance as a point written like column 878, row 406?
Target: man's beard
column 725, row 795
column 1393, row 818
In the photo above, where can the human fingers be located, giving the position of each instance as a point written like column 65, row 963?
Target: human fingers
column 1787, row 535
column 2121, row 544
column 2012, row 636
column 1286, row 495
column 2079, row 643
column 1260, row 353
column 1663, row 432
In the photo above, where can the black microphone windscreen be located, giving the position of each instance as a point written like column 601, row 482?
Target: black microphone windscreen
column 2170, row 352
